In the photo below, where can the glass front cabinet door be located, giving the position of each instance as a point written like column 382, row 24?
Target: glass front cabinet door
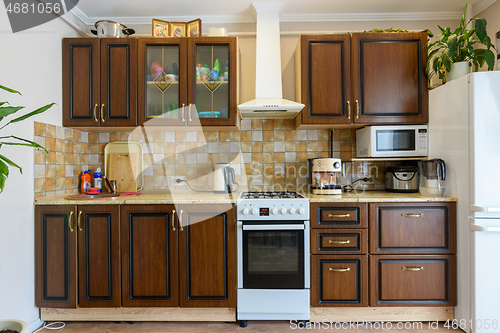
column 162, row 81
column 188, row 81
column 212, row 81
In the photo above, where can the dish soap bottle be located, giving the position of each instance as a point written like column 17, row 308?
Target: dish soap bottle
column 85, row 182
column 98, row 179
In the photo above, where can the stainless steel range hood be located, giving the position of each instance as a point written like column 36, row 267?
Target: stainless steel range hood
column 268, row 102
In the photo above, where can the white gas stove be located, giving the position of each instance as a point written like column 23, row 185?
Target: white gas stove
column 273, row 256
column 272, row 206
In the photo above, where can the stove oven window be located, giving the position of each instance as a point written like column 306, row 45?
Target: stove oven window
column 273, row 259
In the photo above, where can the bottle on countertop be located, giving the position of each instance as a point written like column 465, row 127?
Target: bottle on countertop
column 98, row 179
column 85, row 182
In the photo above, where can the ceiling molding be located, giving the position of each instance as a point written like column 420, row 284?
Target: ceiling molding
column 482, row 6
column 329, row 17
column 341, row 17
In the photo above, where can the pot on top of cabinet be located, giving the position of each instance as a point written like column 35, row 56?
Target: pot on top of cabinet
column 351, row 79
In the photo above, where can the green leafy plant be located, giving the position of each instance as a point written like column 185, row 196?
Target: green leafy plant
column 458, row 45
column 12, row 140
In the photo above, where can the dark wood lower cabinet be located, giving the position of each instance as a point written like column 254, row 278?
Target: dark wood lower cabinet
column 207, row 255
column 55, row 257
column 402, row 280
column 149, row 255
column 339, row 280
column 99, row 256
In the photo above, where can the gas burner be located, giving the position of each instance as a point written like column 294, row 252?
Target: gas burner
column 272, row 195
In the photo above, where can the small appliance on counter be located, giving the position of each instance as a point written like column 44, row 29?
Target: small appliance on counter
column 432, row 176
column 324, row 175
column 224, row 178
column 402, row 179
column 392, row 141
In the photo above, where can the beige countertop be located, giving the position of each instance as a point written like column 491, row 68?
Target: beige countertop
column 190, row 197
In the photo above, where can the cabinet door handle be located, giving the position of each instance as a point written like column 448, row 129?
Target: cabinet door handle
column 412, row 215
column 102, row 113
column 69, row 221
column 180, row 221
column 79, row 217
column 339, row 269
column 183, row 118
column 342, row 215
column 173, row 220
column 421, row 268
column 357, row 109
column 95, row 113
column 189, row 112
column 339, row 242
column 348, row 109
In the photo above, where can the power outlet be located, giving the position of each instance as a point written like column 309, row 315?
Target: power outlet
column 370, row 182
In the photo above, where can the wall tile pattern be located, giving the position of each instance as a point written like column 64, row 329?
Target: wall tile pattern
column 265, row 154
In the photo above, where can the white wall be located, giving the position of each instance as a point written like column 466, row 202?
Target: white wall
column 30, row 62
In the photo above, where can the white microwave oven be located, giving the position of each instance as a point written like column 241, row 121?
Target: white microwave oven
column 392, row 141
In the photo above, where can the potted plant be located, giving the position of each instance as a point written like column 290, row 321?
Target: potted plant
column 12, row 140
column 455, row 50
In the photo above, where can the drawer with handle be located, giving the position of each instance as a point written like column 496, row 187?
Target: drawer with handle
column 339, row 215
column 413, row 280
column 339, row 280
column 339, row 241
column 425, row 228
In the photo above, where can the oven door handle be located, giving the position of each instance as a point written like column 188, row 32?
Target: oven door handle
column 274, row 227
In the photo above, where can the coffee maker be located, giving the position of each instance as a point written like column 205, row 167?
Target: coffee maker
column 324, row 175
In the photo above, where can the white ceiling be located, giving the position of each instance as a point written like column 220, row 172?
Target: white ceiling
column 241, row 11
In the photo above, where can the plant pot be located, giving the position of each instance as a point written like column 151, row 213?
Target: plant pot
column 16, row 325
column 457, row 70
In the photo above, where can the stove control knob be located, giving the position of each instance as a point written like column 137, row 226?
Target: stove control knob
column 274, row 211
column 244, row 211
column 291, row 211
column 300, row 211
column 283, row 211
column 255, row 211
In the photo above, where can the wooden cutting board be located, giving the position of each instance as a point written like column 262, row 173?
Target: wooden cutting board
column 122, row 167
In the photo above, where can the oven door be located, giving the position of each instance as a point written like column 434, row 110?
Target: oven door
column 273, row 256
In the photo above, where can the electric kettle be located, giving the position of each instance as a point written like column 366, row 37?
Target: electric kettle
column 223, row 178
column 432, row 176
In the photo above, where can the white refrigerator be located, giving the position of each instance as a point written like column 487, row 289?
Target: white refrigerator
column 464, row 130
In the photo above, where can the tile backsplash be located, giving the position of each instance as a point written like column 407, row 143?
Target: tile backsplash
column 266, row 154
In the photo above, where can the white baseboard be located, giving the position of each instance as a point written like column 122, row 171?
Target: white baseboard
column 35, row 324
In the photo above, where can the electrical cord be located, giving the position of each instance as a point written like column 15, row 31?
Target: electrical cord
column 349, row 188
column 178, row 180
column 49, row 326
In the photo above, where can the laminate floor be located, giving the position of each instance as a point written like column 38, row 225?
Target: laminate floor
column 253, row 327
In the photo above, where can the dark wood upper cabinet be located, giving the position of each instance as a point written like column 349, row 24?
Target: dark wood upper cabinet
column 99, row 256
column 212, row 98
column 389, row 80
column 149, row 256
column 81, row 84
column 207, row 263
column 99, row 82
column 55, row 257
column 323, row 84
column 162, row 81
column 118, row 82
column 348, row 80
